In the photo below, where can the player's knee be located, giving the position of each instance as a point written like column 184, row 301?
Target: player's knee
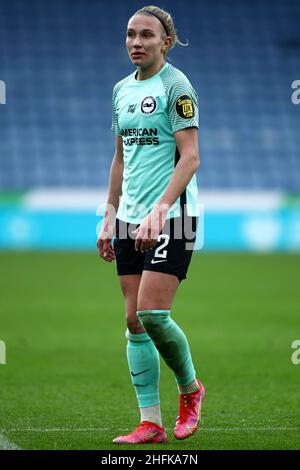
column 134, row 325
column 153, row 323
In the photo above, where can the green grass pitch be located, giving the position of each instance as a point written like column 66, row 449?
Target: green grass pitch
column 66, row 383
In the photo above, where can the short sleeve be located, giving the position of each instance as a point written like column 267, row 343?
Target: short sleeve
column 182, row 106
column 115, row 124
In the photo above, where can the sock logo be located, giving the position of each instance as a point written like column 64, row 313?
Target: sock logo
column 139, row 373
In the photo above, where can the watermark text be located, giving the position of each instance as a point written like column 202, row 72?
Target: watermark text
column 180, row 227
column 295, row 358
column 295, row 97
column 2, row 352
column 2, row 92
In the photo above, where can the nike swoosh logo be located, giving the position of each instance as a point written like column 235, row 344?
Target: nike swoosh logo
column 134, row 375
column 192, row 429
column 158, row 261
column 149, row 436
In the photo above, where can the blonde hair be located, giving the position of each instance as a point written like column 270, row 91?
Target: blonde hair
column 166, row 21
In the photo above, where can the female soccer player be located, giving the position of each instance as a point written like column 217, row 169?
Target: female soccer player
column 155, row 119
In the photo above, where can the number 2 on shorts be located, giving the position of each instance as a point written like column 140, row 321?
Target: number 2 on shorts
column 158, row 253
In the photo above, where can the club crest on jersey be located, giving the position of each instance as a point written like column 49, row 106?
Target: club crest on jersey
column 185, row 107
column 148, row 105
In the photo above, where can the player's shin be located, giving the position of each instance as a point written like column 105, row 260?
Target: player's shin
column 144, row 367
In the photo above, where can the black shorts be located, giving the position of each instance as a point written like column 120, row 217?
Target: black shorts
column 171, row 254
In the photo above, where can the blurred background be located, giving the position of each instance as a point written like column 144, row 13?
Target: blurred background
column 60, row 60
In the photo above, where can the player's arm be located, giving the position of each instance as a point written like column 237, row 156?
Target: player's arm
column 187, row 145
column 104, row 242
column 116, row 175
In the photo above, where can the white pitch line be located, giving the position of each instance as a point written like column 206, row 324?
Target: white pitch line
column 5, row 444
column 213, row 429
column 251, row 429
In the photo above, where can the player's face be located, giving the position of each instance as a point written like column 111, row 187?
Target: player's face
column 145, row 41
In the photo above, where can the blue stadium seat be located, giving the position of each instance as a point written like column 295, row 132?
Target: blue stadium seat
column 60, row 60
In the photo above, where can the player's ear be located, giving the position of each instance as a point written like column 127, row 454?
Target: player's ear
column 165, row 46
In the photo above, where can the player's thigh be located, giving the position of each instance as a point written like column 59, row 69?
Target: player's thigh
column 130, row 287
column 156, row 291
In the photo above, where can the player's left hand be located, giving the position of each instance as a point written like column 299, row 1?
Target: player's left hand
column 150, row 228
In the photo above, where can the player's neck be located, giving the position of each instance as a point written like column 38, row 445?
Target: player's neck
column 144, row 74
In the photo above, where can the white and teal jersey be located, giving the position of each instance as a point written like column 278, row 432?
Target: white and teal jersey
column 147, row 113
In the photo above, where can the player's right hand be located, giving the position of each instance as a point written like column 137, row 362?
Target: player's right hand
column 104, row 244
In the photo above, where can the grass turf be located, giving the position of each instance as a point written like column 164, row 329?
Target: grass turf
column 66, row 383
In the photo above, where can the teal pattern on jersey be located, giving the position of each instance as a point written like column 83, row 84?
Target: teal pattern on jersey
column 147, row 113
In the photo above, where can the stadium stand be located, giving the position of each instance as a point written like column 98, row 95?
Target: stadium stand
column 60, row 60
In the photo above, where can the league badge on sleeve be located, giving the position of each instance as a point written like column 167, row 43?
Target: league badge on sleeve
column 185, row 107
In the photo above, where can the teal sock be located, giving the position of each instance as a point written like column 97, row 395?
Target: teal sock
column 171, row 342
column 144, row 367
